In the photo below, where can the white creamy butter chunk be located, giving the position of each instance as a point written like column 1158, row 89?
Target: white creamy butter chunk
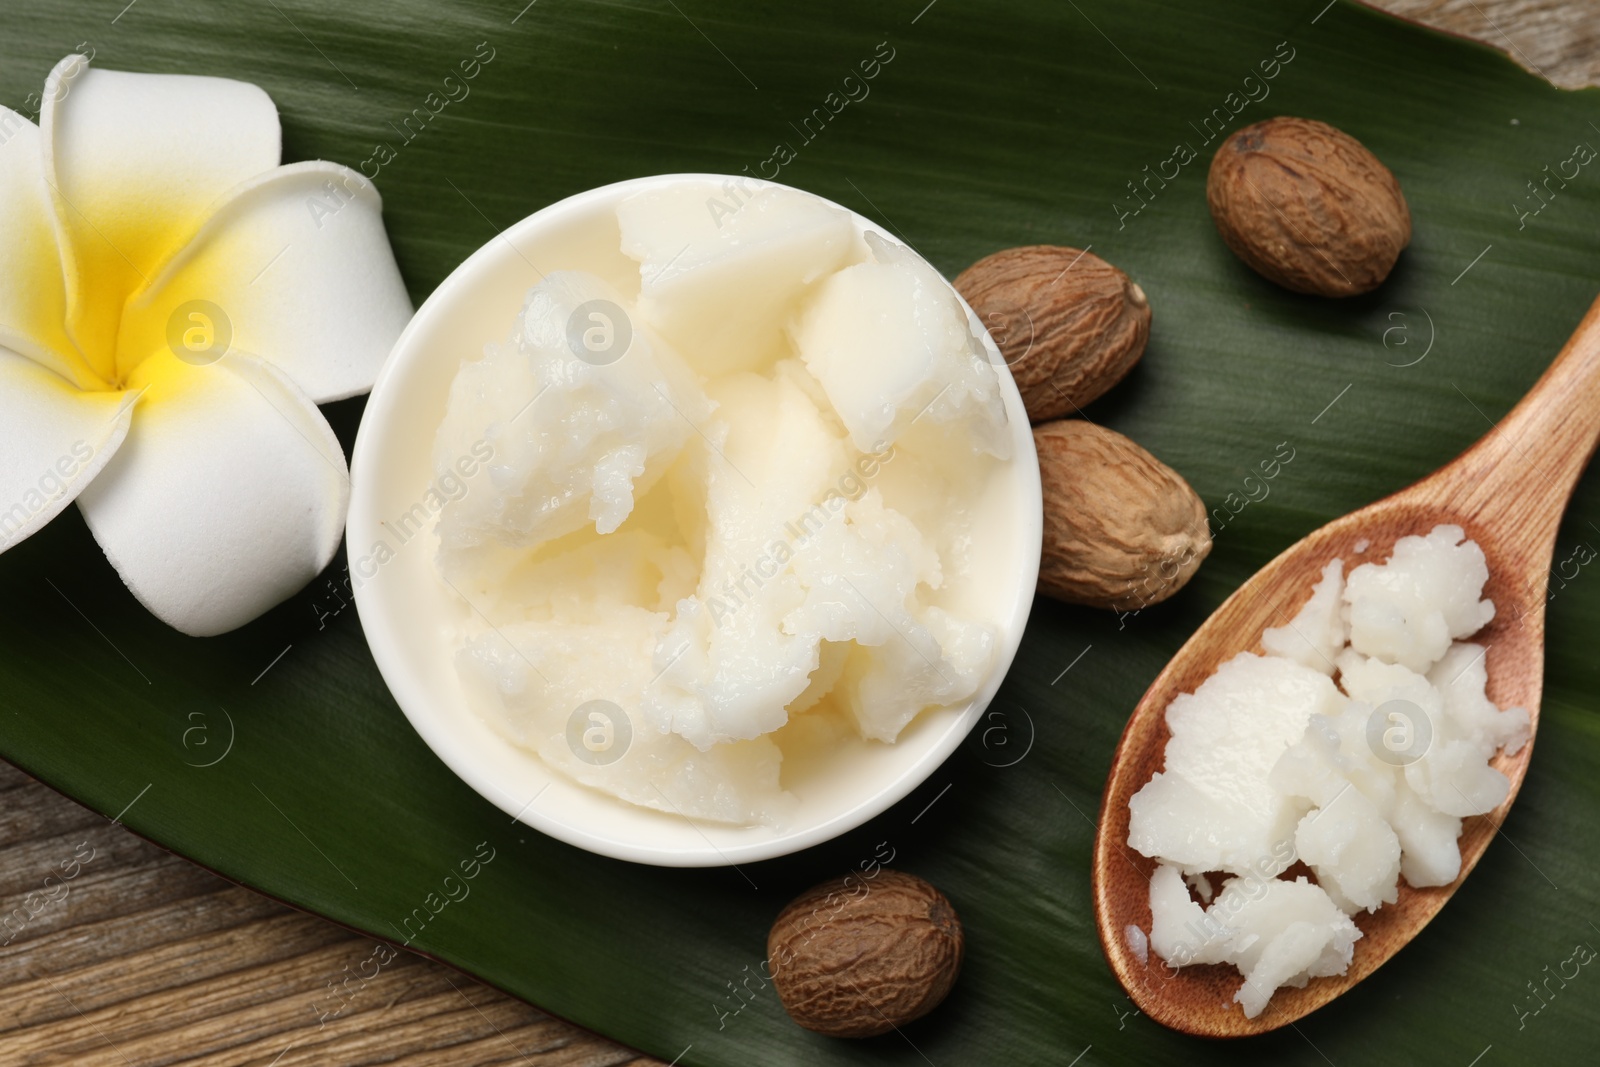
column 1315, row 635
column 1285, row 933
column 1345, row 838
column 582, row 577
column 1451, row 772
column 1462, row 679
column 891, row 344
column 1212, row 808
column 862, row 571
column 937, row 481
column 1429, row 854
column 580, row 623
column 1321, row 764
column 575, row 431
column 729, row 668
column 1408, row 609
column 937, row 659
column 1353, row 850
column 721, row 267
column 1457, row 773
column 1180, row 933
column 1277, row 932
column 534, row 676
column 797, row 563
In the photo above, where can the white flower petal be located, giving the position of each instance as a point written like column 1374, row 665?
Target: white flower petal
column 228, row 496
column 134, row 162
column 56, row 438
column 300, row 268
column 33, row 296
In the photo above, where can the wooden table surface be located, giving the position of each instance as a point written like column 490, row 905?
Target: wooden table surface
column 145, row 959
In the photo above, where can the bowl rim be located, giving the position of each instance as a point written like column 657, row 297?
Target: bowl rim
column 382, row 632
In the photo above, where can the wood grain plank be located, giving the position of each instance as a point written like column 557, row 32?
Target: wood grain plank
column 81, row 942
column 143, row 958
column 98, row 893
column 1557, row 39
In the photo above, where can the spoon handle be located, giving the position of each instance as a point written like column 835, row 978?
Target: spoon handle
column 1519, row 475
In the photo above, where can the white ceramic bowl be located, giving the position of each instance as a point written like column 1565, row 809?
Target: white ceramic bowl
column 412, row 619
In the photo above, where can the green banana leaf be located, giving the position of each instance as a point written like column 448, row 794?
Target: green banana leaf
column 995, row 124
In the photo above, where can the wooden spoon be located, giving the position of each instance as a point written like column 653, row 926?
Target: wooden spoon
column 1508, row 492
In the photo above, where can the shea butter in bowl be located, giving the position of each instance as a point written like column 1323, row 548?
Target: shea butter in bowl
column 694, row 520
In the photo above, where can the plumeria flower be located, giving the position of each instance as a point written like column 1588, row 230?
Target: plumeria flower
column 173, row 307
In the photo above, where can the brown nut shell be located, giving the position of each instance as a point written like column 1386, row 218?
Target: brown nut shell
column 859, row 956
column 1122, row 530
column 1308, row 206
column 1069, row 324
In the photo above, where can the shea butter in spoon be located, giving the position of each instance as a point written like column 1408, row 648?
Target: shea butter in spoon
column 1355, row 745
column 1505, row 495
